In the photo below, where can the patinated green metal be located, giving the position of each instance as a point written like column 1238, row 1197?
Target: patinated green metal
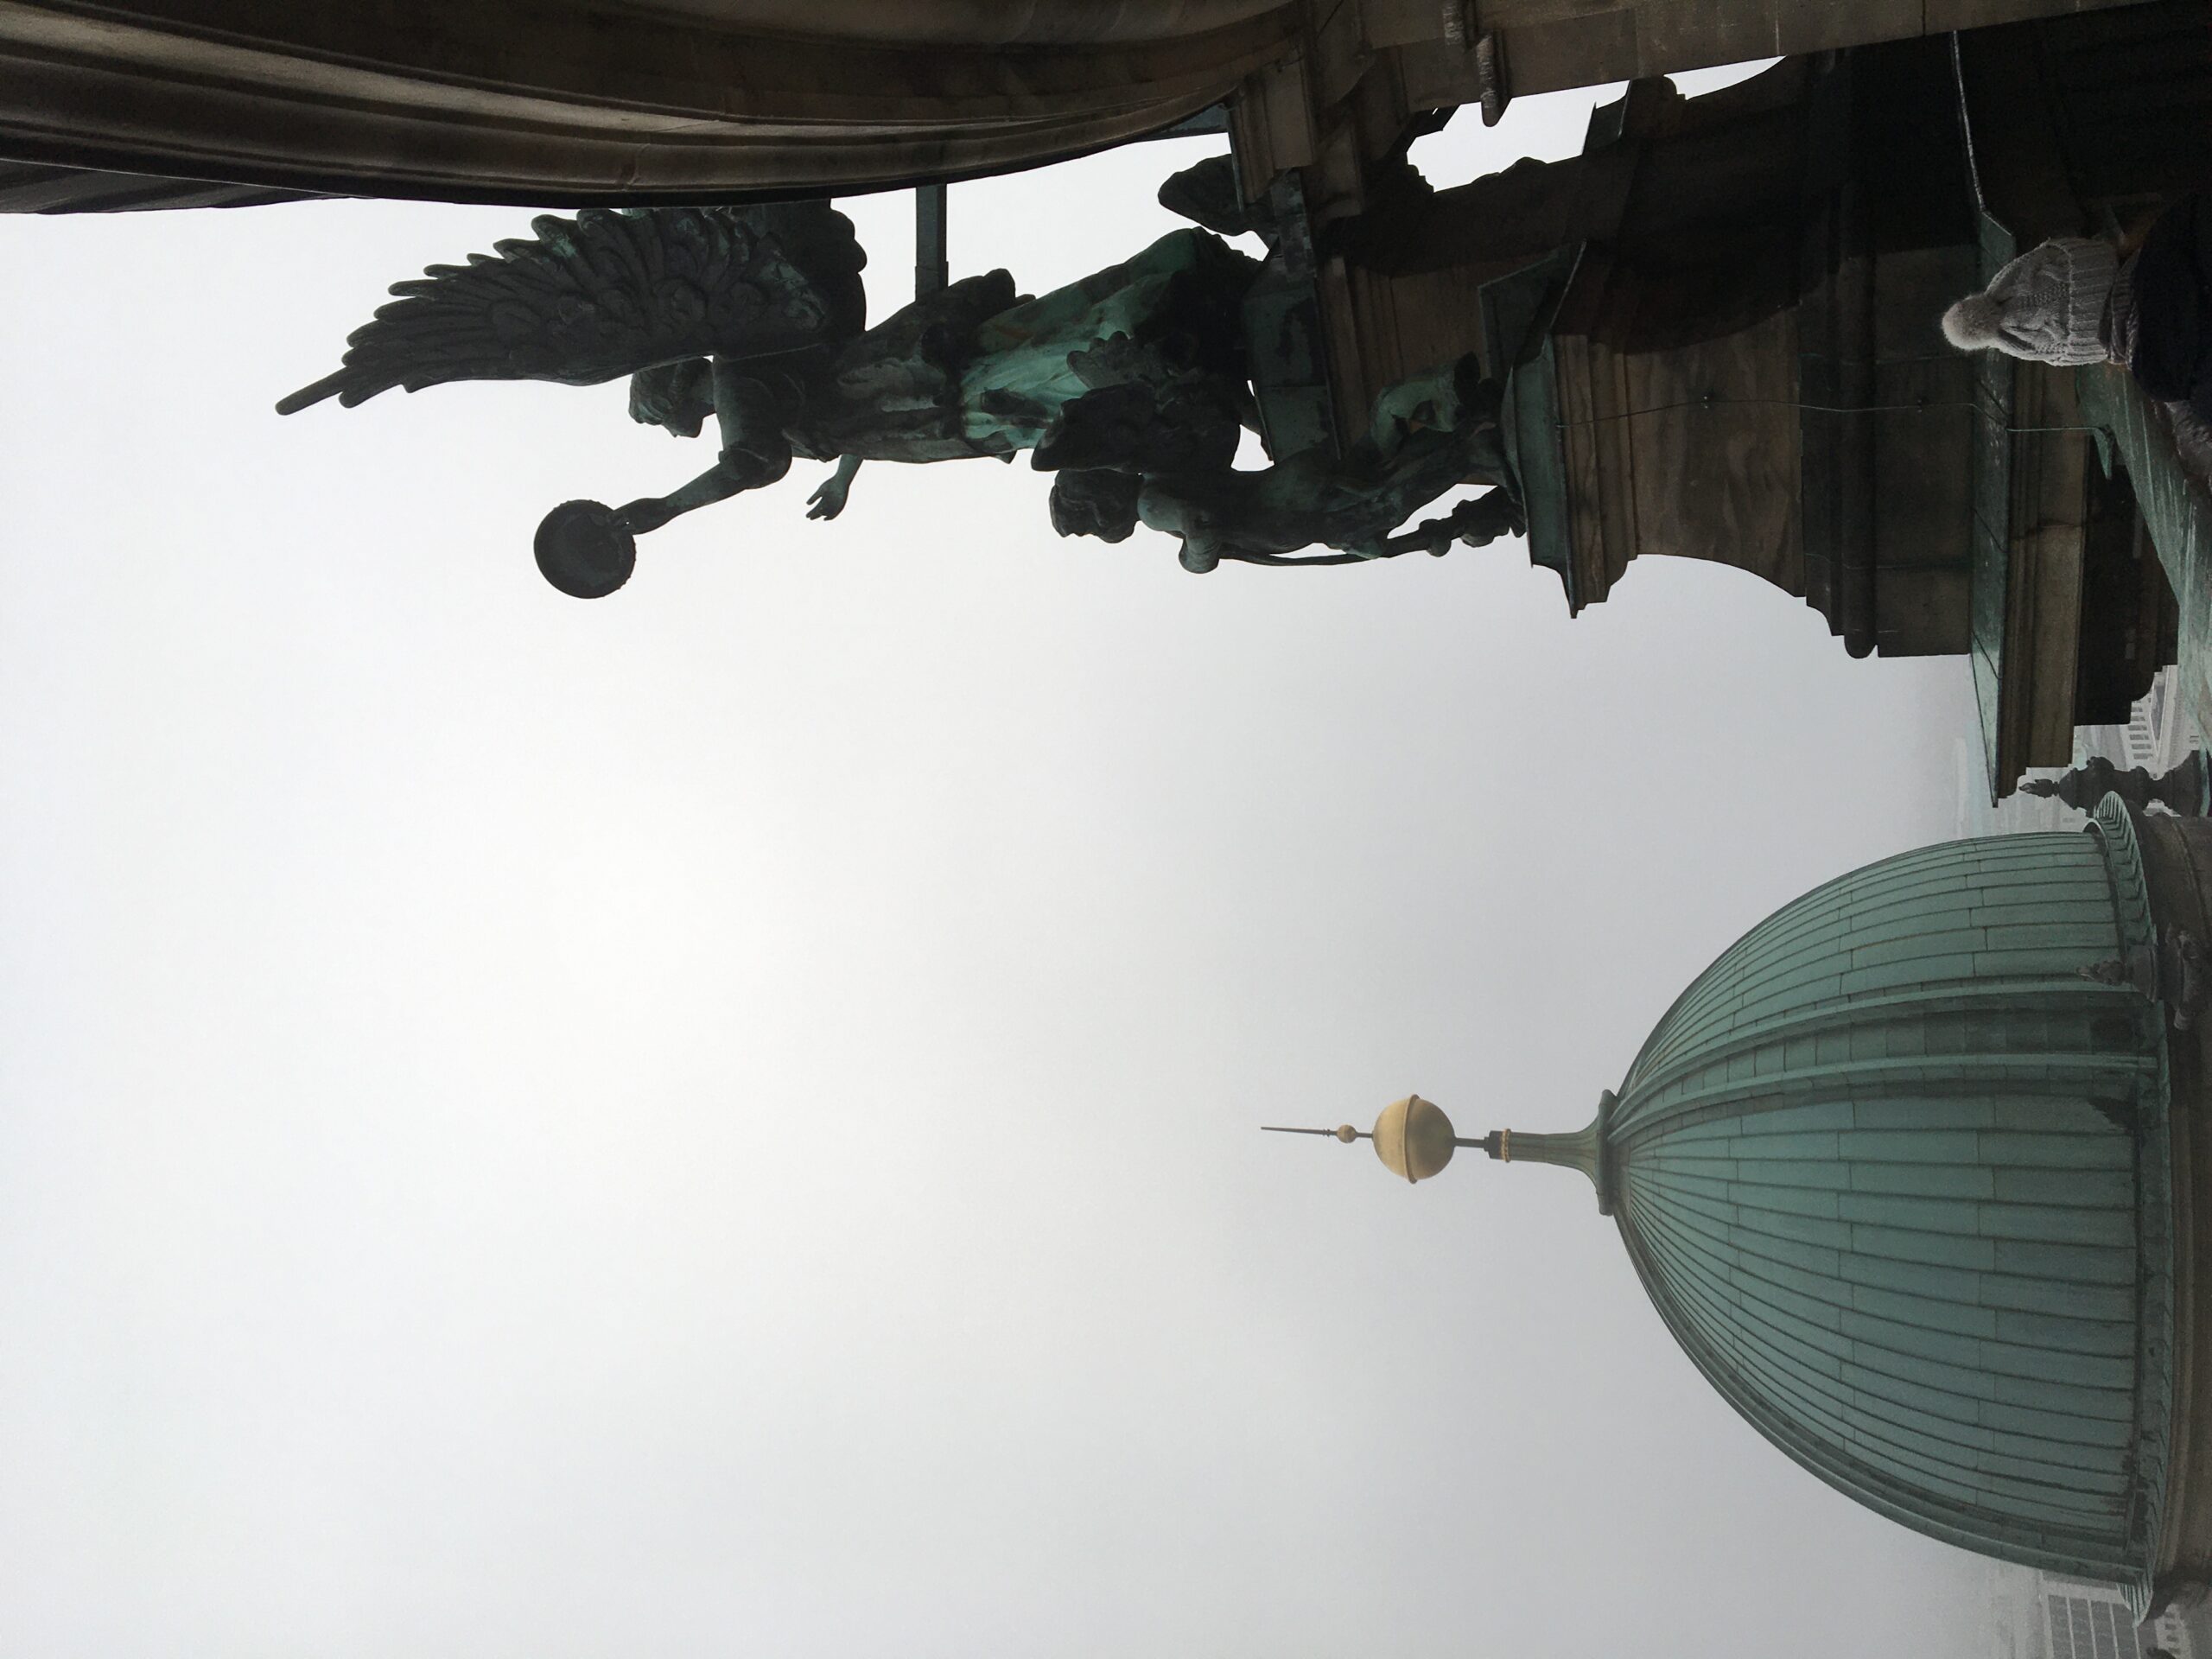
column 1895, row 1172
column 1133, row 385
column 2176, row 508
column 1990, row 599
column 1516, row 313
column 1585, row 1150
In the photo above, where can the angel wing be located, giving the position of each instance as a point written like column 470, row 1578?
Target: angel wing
column 607, row 293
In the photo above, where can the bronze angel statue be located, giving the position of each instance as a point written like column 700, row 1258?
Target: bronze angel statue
column 1131, row 383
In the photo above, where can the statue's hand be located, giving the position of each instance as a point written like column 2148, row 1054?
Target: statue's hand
column 828, row 500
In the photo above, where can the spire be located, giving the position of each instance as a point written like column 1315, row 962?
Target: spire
column 1577, row 1151
column 1413, row 1138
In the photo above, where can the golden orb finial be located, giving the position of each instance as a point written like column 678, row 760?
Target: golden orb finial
column 1413, row 1138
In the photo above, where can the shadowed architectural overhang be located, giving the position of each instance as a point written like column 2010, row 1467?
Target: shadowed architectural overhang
column 566, row 102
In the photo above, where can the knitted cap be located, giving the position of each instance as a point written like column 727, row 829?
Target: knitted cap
column 2047, row 306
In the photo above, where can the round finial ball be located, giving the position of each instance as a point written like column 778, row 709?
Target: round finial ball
column 1413, row 1138
column 1346, row 1133
column 584, row 552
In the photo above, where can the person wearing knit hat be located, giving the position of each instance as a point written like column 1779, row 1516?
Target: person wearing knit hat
column 2073, row 300
column 2048, row 306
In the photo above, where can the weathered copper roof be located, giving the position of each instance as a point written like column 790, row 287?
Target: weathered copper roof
column 1894, row 1172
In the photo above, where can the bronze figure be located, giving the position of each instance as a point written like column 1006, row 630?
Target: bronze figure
column 1131, row 383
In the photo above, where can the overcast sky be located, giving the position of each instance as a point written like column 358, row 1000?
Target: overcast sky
column 721, row 1121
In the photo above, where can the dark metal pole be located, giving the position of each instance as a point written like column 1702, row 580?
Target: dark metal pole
column 932, row 270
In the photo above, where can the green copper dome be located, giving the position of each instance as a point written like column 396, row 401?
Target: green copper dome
column 1894, row 1171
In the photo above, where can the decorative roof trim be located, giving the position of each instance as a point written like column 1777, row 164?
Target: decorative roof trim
column 2114, row 828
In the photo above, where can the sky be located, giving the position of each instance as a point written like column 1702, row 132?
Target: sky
column 721, row 1121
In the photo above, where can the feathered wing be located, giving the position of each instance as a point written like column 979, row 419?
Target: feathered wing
column 603, row 294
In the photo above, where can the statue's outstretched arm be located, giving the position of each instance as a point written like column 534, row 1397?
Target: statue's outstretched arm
column 718, row 483
column 1284, row 559
column 1207, row 541
column 1475, row 522
column 755, row 453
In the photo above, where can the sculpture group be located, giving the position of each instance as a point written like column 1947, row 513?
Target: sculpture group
column 1132, row 386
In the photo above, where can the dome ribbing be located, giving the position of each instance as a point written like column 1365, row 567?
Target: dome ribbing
column 1894, row 1172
